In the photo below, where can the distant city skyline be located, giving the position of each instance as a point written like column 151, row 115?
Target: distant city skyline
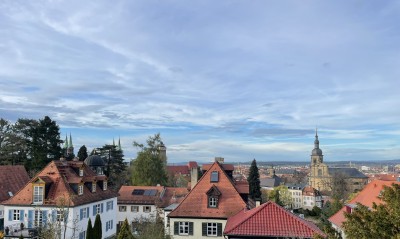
column 232, row 79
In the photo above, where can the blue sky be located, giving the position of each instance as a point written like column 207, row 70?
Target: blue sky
column 236, row 79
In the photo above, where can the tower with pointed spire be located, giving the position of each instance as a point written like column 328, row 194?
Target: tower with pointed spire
column 319, row 175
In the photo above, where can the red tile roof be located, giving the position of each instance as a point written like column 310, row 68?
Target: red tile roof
column 192, row 164
column 227, row 167
column 366, row 197
column 62, row 178
column 126, row 195
column 384, row 177
column 310, row 191
column 229, row 202
column 12, row 179
column 176, row 169
column 173, row 195
column 270, row 220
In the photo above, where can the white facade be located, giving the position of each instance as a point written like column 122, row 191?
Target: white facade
column 136, row 213
column 194, row 228
column 77, row 220
column 297, row 197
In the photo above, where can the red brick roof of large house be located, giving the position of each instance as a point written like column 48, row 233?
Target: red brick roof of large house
column 61, row 179
column 195, row 204
column 366, row 197
column 270, row 220
column 12, row 179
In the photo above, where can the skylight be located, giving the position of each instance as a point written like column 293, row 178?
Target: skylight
column 214, row 176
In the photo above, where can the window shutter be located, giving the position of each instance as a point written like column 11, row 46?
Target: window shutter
column 44, row 218
column 101, row 208
column 65, row 215
column 30, row 218
column 112, row 205
column 107, row 225
column 190, row 228
column 204, row 229
column 87, row 211
column 176, row 228
column 10, row 215
column 81, row 214
column 94, row 210
column 21, row 215
column 219, row 229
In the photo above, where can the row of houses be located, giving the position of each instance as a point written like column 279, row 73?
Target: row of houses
column 66, row 194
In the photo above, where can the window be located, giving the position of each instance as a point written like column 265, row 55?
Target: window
column 211, row 229
column 97, row 209
column 122, row 208
column 183, row 228
column 109, row 225
column 81, row 172
column 38, row 194
column 84, row 213
column 16, row 215
column 1, row 213
column 80, row 189
column 146, row 209
column 134, row 208
column 93, row 187
column 109, row 205
column 105, row 185
column 82, row 235
column 214, row 176
column 212, row 201
column 60, row 216
column 38, row 218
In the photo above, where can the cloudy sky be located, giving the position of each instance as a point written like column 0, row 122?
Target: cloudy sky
column 236, row 79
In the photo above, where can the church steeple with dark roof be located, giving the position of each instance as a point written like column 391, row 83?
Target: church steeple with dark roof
column 316, row 153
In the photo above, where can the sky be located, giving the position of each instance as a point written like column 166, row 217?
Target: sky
column 232, row 79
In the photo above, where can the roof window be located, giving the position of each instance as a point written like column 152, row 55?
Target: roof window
column 214, row 176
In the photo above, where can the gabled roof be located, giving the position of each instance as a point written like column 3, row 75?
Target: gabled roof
column 366, row 197
column 62, row 180
column 149, row 195
column 349, row 172
column 12, row 179
column 226, row 167
column 272, row 182
column 270, row 220
column 310, row 191
column 229, row 202
column 173, row 195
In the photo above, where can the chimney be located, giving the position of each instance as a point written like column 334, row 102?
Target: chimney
column 219, row 159
column 194, row 175
column 258, row 202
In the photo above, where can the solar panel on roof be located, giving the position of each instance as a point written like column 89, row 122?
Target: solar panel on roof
column 146, row 193
column 138, row 192
column 153, row 192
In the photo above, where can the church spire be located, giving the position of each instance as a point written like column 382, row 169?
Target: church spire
column 66, row 142
column 316, row 141
column 119, row 144
column 70, row 145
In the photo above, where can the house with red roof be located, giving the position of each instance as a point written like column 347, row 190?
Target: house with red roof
column 368, row 196
column 269, row 221
column 146, row 203
column 12, row 179
column 183, row 174
column 205, row 210
column 67, row 194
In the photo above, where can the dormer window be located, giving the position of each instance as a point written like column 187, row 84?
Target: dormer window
column 214, row 176
column 81, row 172
column 213, row 195
column 93, row 187
column 105, row 185
column 38, row 194
column 80, row 189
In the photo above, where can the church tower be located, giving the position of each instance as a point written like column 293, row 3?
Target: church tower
column 316, row 154
column 319, row 175
column 70, row 146
column 162, row 150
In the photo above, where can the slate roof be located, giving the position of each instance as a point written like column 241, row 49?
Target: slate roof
column 349, row 172
column 275, row 181
column 12, row 179
column 366, row 197
column 269, row 220
column 195, row 204
column 62, row 179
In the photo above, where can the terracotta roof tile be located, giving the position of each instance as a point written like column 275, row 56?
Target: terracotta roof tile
column 175, row 169
column 270, row 220
column 61, row 177
column 126, row 195
column 229, row 202
column 366, row 197
column 227, row 167
column 173, row 195
column 12, row 179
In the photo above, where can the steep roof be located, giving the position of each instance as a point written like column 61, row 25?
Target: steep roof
column 270, row 220
column 272, row 182
column 229, row 202
column 12, row 179
column 62, row 180
column 349, row 172
column 227, row 167
column 173, row 195
column 366, row 197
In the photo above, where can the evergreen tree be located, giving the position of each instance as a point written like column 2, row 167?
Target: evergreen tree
column 382, row 221
column 82, row 153
column 97, row 229
column 148, row 167
column 125, row 231
column 115, row 166
column 254, row 181
column 89, row 230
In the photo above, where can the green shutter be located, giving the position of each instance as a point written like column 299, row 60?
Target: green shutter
column 204, row 229
column 219, row 229
column 176, row 228
column 191, row 228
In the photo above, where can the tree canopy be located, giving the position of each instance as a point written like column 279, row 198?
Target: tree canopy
column 281, row 196
column 97, row 228
column 125, row 231
column 115, row 166
column 89, row 230
column 149, row 169
column 82, row 153
column 254, row 181
column 380, row 221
